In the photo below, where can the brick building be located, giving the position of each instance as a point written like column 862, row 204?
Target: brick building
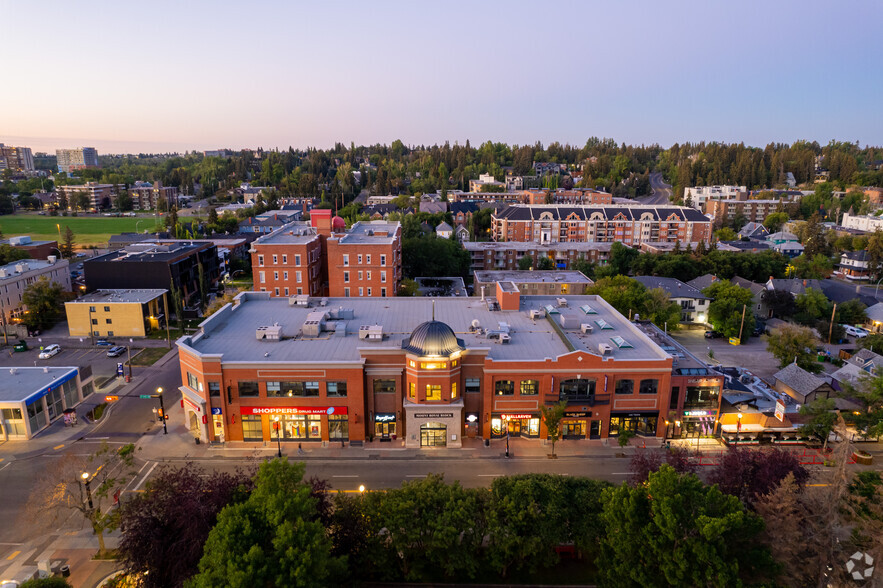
column 145, row 195
column 505, row 255
column 630, row 225
column 724, row 212
column 288, row 262
column 366, row 260
column 427, row 372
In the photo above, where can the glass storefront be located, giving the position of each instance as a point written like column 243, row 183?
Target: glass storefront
column 385, row 426
column 338, row 427
column 15, row 424
column 433, row 435
column 251, row 428
column 571, row 429
column 299, row 427
column 36, row 416
column 641, row 424
column 515, row 426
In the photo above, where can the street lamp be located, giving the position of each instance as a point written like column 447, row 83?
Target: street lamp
column 278, row 436
column 739, row 423
column 361, row 488
column 506, row 420
column 165, row 429
column 86, row 479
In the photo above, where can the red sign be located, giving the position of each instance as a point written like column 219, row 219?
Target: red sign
column 516, row 416
column 293, row 410
column 191, row 403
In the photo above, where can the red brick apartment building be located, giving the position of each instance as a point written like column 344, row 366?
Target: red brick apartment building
column 631, row 225
column 322, row 258
column 429, row 373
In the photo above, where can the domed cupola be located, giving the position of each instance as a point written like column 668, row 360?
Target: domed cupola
column 433, row 339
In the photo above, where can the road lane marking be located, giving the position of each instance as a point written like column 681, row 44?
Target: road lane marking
column 489, row 475
column 6, row 466
column 95, row 438
column 620, row 473
column 346, row 476
column 13, row 555
column 416, row 475
column 147, row 475
column 57, row 447
column 818, row 485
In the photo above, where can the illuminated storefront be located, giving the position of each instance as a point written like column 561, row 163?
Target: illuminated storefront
column 296, row 423
column 515, row 425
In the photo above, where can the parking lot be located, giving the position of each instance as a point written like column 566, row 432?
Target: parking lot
column 751, row 355
column 96, row 357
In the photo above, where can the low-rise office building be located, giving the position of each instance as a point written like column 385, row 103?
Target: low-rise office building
column 31, row 398
column 534, row 282
column 117, row 313
column 428, row 372
column 15, row 277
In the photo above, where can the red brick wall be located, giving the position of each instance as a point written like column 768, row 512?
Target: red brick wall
column 274, row 272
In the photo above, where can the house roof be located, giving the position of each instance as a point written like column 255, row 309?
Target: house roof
column 443, row 226
column 839, row 292
column 875, row 312
column 703, row 282
column 747, row 245
column 754, row 229
column 748, row 285
column 782, row 236
column 796, row 285
column 855, row 255
column 799, row 380
column 674, row 287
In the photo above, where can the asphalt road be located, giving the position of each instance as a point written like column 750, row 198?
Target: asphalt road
column 661, row 191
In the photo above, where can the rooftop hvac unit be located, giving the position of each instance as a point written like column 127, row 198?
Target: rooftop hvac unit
column 535, row 314
column 268, row 333
column 562, row 301
column 605, row 349
column 504, row 338
column 586, row 328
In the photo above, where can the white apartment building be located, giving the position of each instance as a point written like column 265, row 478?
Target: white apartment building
column 100, row 195
column 73, row 159
column 15, row 277
column 697, row 196
column 484, row 180
column 862, row 222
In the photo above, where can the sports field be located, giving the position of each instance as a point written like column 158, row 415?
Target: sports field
column 87, row 230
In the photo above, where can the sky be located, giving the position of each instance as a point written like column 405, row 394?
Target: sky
column 178, row 75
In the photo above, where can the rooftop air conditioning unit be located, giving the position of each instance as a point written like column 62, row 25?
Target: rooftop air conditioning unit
column 504, row 338
column 535, row 314
column 562, row 301
column 586, row 328
column 605, row 349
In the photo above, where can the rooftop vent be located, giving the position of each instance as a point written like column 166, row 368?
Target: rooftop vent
column 371, row 332
column 535, row 314
column 605, row 349
column 586, row 328
column 562, row 301
column 269, row 333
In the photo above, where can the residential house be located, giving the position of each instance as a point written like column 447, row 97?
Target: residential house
column 444, row 230
column 801, row 385
column 462, row 233
column 693, row 303
column 433, row 207
column 759, row 306
column 782, row 237
column 854, row 265
column 754, row 230
column 790, row 249
column 875, row 317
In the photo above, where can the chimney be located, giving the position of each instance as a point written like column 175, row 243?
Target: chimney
column 482, row 293
column 804, row 283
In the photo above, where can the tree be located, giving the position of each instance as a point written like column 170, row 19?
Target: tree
column 729, row 304
column 659, row 308
column 868, row 390
column 775, row 220
column 675, row 531
column 647, row 461
column 525, row 263
column 780, row 302
column 63, row 203
column 164, row 528
column 821, row 419
column 813, row 303
column 793, row 343
column 8, row 254
column 585, row 267
column 409, row 287
column 749, row 473
column 814, row 241
column 725, row 234
column 50, row 582
column 67, row 243
column 125, row 202
column 82, row 200
column 545, row 263
column 43, row 300
column 552, row 419
column 273, row 538
column 61, row 488
column 621, row 292
column 852, row 312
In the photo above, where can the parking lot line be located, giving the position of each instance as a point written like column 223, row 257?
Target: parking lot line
column 57, row 447
column 13, row 555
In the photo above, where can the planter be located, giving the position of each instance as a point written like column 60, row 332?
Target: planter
column 551, row 456
column 863, row 457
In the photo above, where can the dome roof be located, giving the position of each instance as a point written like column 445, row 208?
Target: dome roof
column 433, row 338
column 338, row 223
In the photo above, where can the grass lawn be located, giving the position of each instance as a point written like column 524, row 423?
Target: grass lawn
column 149, row 355
column 90, row 230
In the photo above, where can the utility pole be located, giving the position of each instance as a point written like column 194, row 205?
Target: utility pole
column 742, row 326
column 165, row 300
column 831, row 326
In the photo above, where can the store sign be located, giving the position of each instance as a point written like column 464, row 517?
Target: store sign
column 471, row 417
column 698, row 413
column 434, row 415
column 780, row 410
column 192, row 404
column 216, row 410
column 577, row 415
column 293, row 410
column 387, row 417
column 513, row 417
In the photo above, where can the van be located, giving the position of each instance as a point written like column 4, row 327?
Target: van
column 856, row 332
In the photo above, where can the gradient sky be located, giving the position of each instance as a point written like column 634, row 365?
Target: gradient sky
column 178, row 75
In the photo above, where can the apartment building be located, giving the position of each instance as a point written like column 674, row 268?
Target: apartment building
column 533, row 282
column 862, row 222
column 724, row 212
column 145, row 195
column 485, row 180
column 366, row 260
column 117, row 313
column 99, row 195
column 288, row 262
column 697, row 196
column 486, row 256
column 19, row 159
column 630, row 225
column 74, row 159
column 15, row 277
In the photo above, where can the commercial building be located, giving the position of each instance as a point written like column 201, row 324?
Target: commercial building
column 99, row 195
column 117, row 313
column 505, row 255
column 697, row 196
column 146, row 196
column 534, row 282
column 74, row 159
column 630, row 225
column 486, row 180
column 36, row 249
column 192, row 268
column 15, row 277
column 19, row 159
column 724, row 212
column 426, row 371
column 31, row 398
column 862, row 222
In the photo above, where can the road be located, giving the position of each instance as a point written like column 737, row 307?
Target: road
column 661, row 191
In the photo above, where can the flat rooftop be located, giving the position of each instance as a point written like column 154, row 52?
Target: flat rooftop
column 371, row 232
column 106, row 296
column 523, row 246
column 684, row 362
column 537, row 276
column 16, row 268
column 20, row 383
column 146, row 251
column 294, row 233
column 231, row 332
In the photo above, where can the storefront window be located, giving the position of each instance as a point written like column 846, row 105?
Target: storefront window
column 251, row 428
column 248, row 389
column 701, row 397
column 384, row 386
column 473, row 385
column 53, row 402
column 639, row 424
column 649, row 386
column 301, row 427
column 433, row 392
column 338, row 427
column 14, row 422
column 337, row 389
column 530, row 387
column 504, row 388
column 70, row 393
column 625, row 386
column 36, row 416
column 574, row 429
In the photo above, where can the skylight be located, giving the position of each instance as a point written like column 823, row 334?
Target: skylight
column 620, row 342
column 603, row 325
column 588, row 309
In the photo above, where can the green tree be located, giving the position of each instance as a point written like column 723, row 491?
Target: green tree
column 729, row 303
column 8, row 254
column 821, row 419
column 545, row 263
column 43, row 300
column 790, row 343
column 725, row 234
column 552, row 416
column 775, row 221
column 852, row 312
column 67, row 243
column 585, row 267
column 813, row 303
column 869, row 392
column 273, row 538
column 124, row 202
column 659, row 308
column 50, row 582
column 525, row 263
column 675, row 531
column 621, row 292
column 409, row 287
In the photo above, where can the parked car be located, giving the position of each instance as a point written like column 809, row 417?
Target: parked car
column 115, row 351
column 104, row 343
column 856, row 332
column 713, row 334
column 49, row 351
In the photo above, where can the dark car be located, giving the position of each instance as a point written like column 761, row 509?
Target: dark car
column 115, row 351
column 713, row 334
column 758, row 330
column 104, row 343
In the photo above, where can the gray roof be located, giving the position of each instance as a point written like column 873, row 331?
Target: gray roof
column 703, row 282
column 370, row 232
column 294, row 233
column 674, row 287
column 102, row 296
column 748, row 285
column 432, row 338
column 231, row 332
column 875, row 312
column 443, row 226
column 16, row 269
column 528, row 276
column 608, row 212
column 799, row 380
column 782, row 236
column 20, row 383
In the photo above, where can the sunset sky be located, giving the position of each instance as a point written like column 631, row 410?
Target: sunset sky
column 160, row 76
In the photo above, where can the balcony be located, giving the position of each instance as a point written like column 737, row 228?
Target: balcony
column 581, row 399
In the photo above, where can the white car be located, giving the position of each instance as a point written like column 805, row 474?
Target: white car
column 856, row 332
column 49, row 351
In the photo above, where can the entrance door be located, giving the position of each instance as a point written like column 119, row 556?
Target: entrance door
column 575, row 429
column 385, row 430
column 595, row 432
column 194, row 424
column 514, row 427
column 433, row 435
